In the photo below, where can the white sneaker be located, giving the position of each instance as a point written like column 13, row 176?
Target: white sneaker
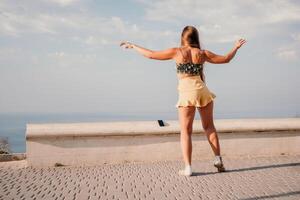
column 218, row 163
column 186, row 172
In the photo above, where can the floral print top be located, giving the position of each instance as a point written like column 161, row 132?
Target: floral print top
column 189, row 68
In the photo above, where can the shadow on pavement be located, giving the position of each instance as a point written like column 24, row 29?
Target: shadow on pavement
column 248, row 169
column 264, row 167
column 273, row 196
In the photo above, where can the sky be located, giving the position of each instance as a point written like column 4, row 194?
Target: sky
column 63, row 56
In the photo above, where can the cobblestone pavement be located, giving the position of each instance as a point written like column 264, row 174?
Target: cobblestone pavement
column 246, row 178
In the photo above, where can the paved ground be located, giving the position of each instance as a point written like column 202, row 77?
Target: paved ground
column 247, row 178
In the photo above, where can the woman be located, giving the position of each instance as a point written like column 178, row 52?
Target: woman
column 193, row 92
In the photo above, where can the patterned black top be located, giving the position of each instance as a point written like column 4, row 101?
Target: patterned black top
column 189, row 68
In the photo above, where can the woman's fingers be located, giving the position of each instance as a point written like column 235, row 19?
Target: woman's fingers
column 126, row 44
column 241, row 41
column 122, row 43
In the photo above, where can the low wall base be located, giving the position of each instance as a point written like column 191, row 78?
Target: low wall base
column 92, row 150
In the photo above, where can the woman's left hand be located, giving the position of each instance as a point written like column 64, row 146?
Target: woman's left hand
column 127, row 45
column 240, row 43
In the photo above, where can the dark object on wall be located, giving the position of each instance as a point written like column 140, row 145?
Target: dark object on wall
column 161, row 123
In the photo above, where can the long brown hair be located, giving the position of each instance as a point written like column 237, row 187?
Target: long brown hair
column 190, row 36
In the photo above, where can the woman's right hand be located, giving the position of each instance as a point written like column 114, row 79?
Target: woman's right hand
column 239, row 43
column 127, row 45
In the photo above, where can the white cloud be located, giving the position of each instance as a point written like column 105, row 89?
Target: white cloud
column 68, row 59
column 14, row 24
column 59, row 54
column 296, row 36
column 278, row 11
column 287, row 54
column 290, row 52
column 9, row 52
column 77, row 25
column 224, row 20
column 261, row 11
column 63, row 2
column 92, row 40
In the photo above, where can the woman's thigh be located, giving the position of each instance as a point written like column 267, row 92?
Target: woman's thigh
column 206, row 114
column 186, row 117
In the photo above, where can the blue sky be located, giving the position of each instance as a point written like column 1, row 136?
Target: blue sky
column 63, row 55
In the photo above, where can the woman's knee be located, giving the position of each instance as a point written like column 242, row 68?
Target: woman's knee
column 186, row 131
column 186, row 118
column 209, row 128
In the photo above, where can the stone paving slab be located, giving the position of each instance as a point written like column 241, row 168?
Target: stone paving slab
column 247, row 178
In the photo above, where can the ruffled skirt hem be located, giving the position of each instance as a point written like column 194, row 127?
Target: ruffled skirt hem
column 195, row 102
column 193, row 92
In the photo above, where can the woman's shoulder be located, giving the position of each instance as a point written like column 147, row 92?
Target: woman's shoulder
column 197, row 51
column 194, row 49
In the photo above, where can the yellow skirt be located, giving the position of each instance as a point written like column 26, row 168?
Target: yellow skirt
column 193, row 92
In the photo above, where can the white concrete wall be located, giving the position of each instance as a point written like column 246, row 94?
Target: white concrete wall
column 115, row 142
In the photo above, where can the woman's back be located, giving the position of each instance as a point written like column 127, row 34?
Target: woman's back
column 189, row 61
column 189, row 55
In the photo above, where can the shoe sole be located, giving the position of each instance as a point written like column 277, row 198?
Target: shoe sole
column 182, row 174
column 220, row 168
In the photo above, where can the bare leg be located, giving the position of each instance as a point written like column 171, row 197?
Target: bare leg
column 206, row 113
column 209, row 127
column 186, row 118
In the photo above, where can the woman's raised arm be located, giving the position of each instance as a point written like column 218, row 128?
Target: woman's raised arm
column 219, row 59
column 158, row 55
